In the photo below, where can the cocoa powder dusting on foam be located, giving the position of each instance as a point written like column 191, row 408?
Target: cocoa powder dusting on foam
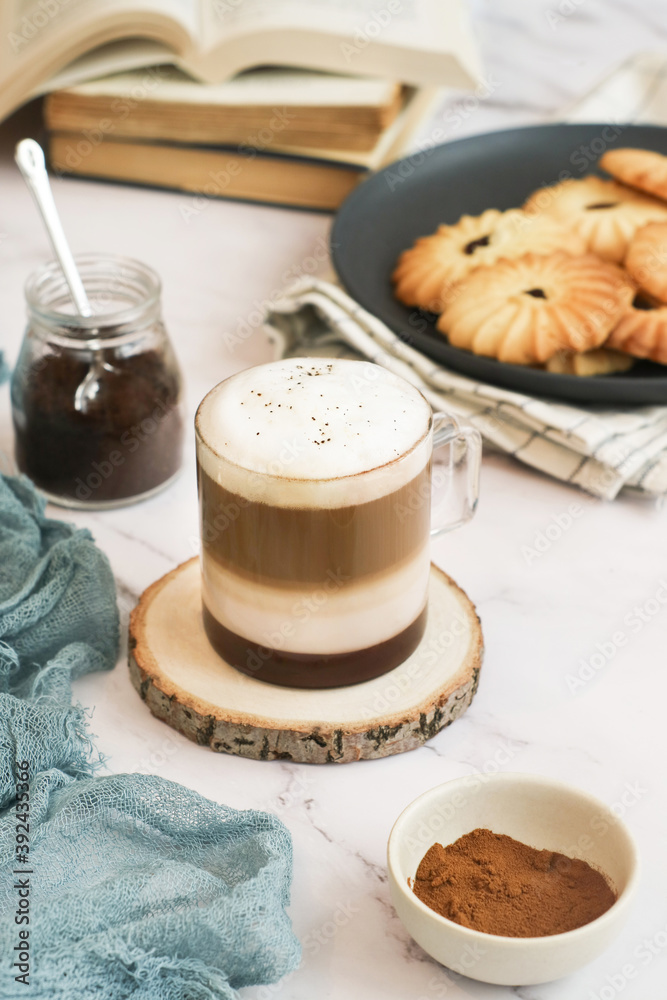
column 495, row 884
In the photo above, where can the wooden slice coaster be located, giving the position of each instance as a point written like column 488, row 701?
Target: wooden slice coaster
column 186, row 684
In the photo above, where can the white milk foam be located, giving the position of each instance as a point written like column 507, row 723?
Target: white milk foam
column 297, row 432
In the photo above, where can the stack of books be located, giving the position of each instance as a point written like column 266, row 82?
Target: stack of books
column 283, row 136
column 290, row 102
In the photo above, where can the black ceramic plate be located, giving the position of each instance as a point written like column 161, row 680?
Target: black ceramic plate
column 497, row 170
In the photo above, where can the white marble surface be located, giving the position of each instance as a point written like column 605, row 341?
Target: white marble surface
column 541, row 616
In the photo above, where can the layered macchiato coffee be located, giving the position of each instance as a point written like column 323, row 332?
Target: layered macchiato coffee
column 314, row 482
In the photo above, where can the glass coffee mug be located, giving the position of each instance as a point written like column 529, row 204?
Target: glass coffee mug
column 315, row 502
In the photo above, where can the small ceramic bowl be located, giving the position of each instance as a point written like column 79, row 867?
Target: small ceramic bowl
column 541, row 813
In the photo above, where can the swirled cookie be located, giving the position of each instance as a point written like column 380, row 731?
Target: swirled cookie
column 642, row 333
column 606, row 214
column 640, row 168
column 646, row 260
column 523, row 311
column 427, row 271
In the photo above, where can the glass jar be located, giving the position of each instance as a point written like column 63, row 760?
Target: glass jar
column 97, row 402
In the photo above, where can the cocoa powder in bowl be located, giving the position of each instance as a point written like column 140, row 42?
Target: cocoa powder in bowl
column 495, row 884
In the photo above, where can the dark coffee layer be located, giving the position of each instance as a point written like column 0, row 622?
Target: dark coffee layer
column 305, row 670
column 306, row 545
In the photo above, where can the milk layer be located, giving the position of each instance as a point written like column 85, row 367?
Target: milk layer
column 339, row 616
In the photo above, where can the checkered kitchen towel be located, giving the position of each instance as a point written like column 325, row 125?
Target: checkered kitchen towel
column 602, row 451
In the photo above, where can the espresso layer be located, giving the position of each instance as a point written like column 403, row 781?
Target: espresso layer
column 303, row 670
column 294, row 546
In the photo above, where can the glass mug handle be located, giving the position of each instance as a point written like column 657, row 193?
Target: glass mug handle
column 465, row 457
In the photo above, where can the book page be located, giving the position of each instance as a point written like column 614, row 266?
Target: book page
column 186, row 11
column 420, row 22
column 259, row 87
column 115, row 57
column 418, row 42
column 43, row 36
column 31, row 23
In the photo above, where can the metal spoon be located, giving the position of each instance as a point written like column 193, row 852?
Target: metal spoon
column 29, row 157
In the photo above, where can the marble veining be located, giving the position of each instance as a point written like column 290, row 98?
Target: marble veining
column 543, row 616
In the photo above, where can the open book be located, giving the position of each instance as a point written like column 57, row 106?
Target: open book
column 50, row 44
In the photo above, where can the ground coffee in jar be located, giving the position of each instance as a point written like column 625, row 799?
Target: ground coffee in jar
column 495, row 884
column 97, row 401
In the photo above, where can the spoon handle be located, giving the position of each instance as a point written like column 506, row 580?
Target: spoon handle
column 30, row 160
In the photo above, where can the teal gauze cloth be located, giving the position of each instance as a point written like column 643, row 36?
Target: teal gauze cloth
column 132, row 885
